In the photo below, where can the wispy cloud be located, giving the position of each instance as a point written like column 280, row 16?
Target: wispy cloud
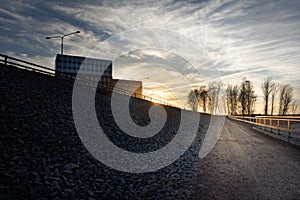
column 253, row 39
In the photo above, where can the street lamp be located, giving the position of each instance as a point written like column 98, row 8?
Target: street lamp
column 62, row 39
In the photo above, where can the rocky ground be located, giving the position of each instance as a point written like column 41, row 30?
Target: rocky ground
column 42, row 156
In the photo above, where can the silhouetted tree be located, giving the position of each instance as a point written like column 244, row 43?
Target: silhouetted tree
column 203, row 96
column 213, row 96
column 285, row 98
column 247, row 97
column 243, row 96
column 228, row 100
column 198, row 97
column 275, row 88
column 232, row 99
column 267, row 88
column 293, row 108
column 193, row 99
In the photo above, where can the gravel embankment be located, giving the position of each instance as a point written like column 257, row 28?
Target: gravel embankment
column 42, row 156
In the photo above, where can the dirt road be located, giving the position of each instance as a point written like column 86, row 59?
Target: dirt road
column 246, row 164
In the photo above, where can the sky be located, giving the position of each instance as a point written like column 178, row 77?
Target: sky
column 172, row 46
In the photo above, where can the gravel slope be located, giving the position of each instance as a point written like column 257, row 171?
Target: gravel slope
column 43, row 157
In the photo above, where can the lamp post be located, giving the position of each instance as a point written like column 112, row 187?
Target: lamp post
column 62, row 39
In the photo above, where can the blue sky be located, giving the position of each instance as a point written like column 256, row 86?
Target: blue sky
column 235, row 39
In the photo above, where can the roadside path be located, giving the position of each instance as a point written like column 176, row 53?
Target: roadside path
column 246, row 164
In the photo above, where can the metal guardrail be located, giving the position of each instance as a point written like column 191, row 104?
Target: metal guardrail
column 15, row 62
column 280, row 117
column 7, row 60
column 279, row 123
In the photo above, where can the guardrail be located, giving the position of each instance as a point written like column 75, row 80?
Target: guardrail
column 15, row 62
column 289, row 124
column 280, row 117
column 7, row 60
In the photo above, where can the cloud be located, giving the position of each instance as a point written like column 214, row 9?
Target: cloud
column 255, row 39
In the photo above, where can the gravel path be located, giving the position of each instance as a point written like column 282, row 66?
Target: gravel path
column 42, row 156
column 246, row 164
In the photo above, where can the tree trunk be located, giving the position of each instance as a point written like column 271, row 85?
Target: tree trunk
column 272, row 106
column 266, row 105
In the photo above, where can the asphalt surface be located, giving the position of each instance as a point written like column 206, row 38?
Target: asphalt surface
column 246, row 164
column 42, row 157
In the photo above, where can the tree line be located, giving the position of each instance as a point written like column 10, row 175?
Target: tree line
column 241, row 99
column 206, row 98
column 286, row 104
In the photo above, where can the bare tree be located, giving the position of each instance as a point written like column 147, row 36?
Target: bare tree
column 251, row 98
column 232, row 99
column 274, row 90
column 234, row 96
column 243, row 96
column 213, row 96
column 247, row 97
column 203, row 96
column 285, row 98
column 293, row 108
column 267, row 87
column 193, row 100
column 229, row 100
column 281, row 96
column 198, row 97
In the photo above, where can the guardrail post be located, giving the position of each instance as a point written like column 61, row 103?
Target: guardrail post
column 271, row 125
column 289, row 127
column 278, row 125
column 264, row 123
column 5, row 60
